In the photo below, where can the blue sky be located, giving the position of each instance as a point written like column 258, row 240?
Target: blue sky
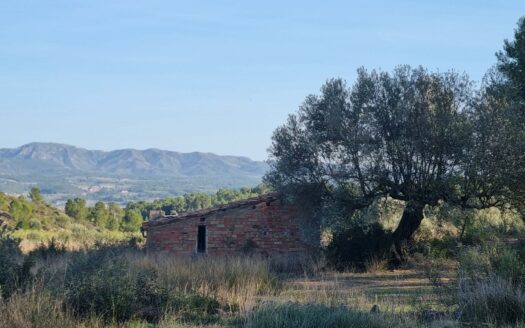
column 214, row 76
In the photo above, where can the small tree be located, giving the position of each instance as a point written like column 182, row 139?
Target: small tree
column 21, row 210
column 132, row 221
column 100, row 214
column 76, row 208
column 115, row 215
column 36, row 195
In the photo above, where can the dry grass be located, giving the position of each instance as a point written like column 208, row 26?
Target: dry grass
column 34, row 309
column 236, row 281
column 247, row 291
column 77, row 238
column 394, row 291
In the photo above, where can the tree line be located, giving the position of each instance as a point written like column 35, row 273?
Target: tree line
column 129, row 218
column 33, row 212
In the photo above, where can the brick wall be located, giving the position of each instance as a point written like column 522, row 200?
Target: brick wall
column 266, row 228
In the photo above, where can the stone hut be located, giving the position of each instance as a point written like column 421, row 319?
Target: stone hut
column 263, row 225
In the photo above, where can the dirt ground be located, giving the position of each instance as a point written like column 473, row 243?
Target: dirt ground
column 399, row 291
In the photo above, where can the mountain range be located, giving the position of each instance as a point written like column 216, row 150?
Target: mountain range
column 64, row 171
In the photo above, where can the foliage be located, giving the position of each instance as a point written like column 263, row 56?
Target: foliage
column 506, row 97
column 21, row 210
column 101, row 281
column 35, row 195
column 357, row 246
column 100, row 215
column 482, row 262
column 120, row 283
column 195, row 201
column 511, row 61
column 132, row 220
column 15, row 274
column 418, row 137
column 491, row 282
column 493, row 301
column 76, row 208
column 115, row 215
column 397, row 135
column 3, row 202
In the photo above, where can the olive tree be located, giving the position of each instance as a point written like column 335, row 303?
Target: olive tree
column 411, row 135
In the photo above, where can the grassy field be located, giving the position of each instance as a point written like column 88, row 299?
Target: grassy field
column 122, row 286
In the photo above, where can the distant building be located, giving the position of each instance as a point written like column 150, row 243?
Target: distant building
column 262, row 225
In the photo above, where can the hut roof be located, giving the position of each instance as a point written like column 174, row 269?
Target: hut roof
column 265, row 198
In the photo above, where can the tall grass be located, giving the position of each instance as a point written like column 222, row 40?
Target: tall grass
column 491, row 285
column 34, row 309
column 493, row 300
column 296, row 315
column 121, row 284
column 235, row 281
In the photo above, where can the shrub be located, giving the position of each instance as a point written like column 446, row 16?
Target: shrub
column 355, row 246
column 491, row 285
column 34, row 309
column 482, row 262
column 15, row 270
column 101, row 281
column 234, row 281
column 375, row 265
column 436, row 238
column 290, row 315
column 113, row 284
column 35, row 224
column 61, row 220
column 492, row 300
column 119, row 284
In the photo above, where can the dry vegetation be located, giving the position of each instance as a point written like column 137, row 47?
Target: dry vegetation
column 120, row 286
column 452, row 279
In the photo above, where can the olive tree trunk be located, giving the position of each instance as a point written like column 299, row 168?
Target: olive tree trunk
column 410, row 221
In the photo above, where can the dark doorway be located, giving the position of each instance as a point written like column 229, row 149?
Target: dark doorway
column 201, row 240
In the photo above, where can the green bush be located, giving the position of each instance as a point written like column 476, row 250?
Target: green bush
column 355, row 246
column 482, row 262
column 291, row 315
column 63, row 221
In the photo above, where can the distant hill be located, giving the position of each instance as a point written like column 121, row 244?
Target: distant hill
column 63, row 171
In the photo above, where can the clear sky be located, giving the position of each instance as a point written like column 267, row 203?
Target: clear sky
column 214, row 76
